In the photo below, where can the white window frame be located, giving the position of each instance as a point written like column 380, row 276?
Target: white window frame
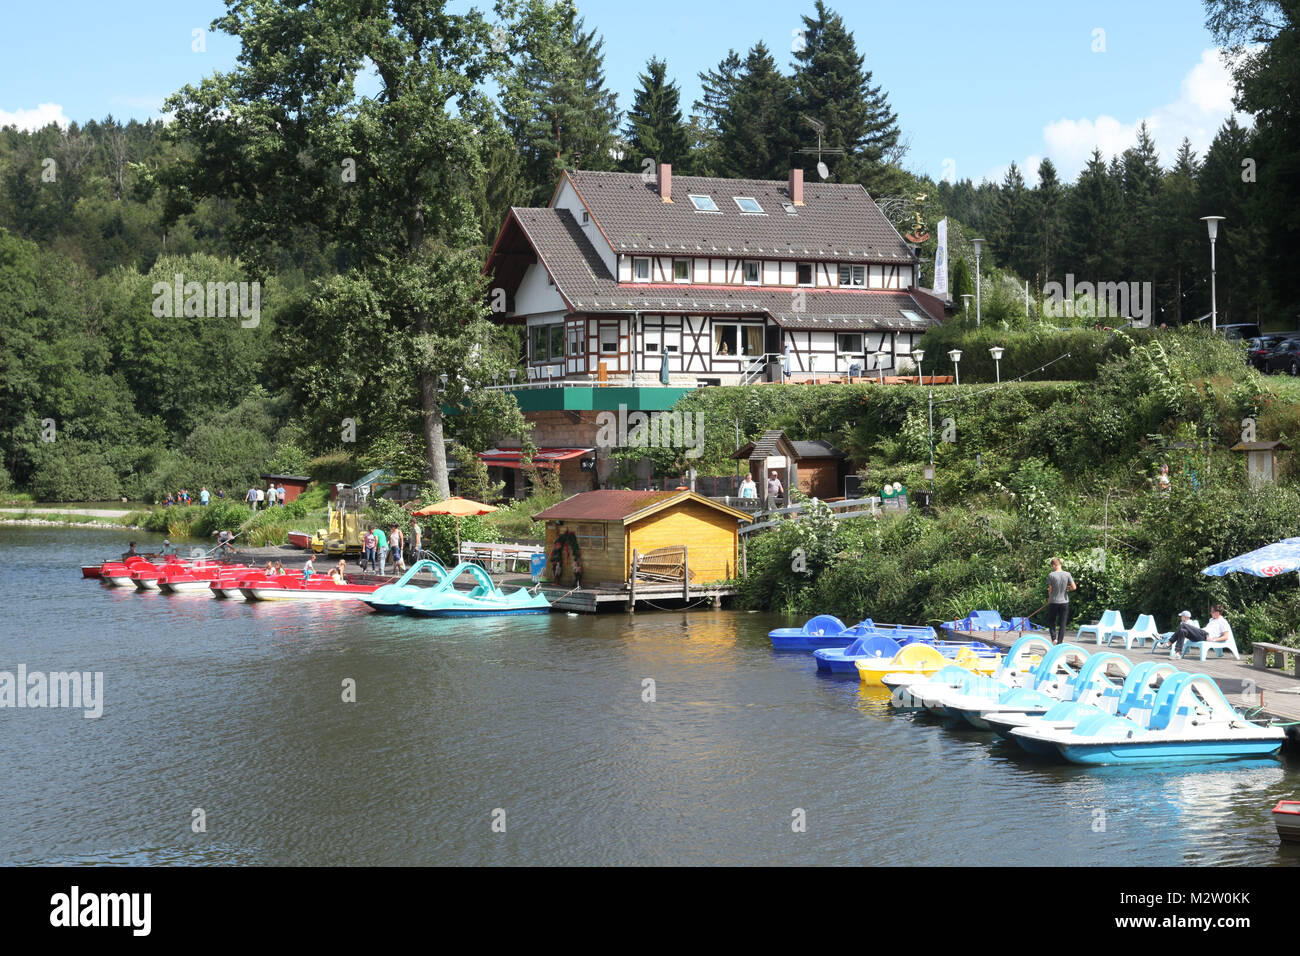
column 758, row 272
column 689, row 269
column 862, row 343
column 740, row 352
column 758, row 211
column 855, row 272
column 711, row 207
column 812, row 275
column 646, row 260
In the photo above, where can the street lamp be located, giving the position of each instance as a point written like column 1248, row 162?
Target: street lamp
column 880, row 365
column 1212, row 223
column 512, row 377
column 955, row 355
column 996, row 351
column 965, row 302
column 979, row 246
column 917, row 355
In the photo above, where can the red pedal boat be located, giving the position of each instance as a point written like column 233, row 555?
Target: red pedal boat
column 291, row 588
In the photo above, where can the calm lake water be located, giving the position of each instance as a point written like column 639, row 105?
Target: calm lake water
column 237, row 709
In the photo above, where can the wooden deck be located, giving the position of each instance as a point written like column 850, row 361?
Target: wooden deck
column 1244, row 685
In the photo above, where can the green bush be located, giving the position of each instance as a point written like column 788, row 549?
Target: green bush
column 69, row 470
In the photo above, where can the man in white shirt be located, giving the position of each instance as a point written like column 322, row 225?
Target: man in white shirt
column 1216, row 631
column 261, row 497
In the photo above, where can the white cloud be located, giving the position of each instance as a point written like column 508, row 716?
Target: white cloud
column 39, row 118
column 1204, row 103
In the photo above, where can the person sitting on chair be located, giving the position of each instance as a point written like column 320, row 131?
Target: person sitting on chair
column 1217, row 631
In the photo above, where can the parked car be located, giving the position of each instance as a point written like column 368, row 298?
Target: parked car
column 1284, row 357
column 1257, row 349
column 1241, row 330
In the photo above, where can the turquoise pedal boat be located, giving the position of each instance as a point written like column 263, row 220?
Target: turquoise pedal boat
column 485, row 600
column 393, row 598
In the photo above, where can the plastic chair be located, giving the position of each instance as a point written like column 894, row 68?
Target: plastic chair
column 1213, row 647
column 1143, row 629
column 1110, row 621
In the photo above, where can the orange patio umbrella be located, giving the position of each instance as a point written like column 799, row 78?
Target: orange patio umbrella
column 458, row 508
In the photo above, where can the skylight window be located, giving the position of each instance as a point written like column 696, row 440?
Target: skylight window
column 704, row 203
column 789, row 208
column 747, row 204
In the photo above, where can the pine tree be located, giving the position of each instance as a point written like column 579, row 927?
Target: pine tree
column 1177, row 233
column 754, row 140
column 553, row 98
column 832, row 87
column 1009, row 229
column 1092, row 215
column 1141, row 188
column 654, row 123
column 717, row 87
column 1049, row 203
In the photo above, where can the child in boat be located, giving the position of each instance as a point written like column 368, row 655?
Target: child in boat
column 339, row 574
column 279, row 567
column 270, row 569
column 308, row 569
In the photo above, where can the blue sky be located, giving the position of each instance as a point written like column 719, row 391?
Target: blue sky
column 975, row 85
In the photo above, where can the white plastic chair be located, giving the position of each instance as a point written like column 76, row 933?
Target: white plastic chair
column 1143, row 630
column 1110, row 621
column 1213, row 647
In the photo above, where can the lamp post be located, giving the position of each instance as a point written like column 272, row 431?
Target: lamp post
column 512, row 378
column 917, row 355
column 1212, row 224
column 965, row 302
column 996, row 351
column 880, row 365
column 955, row 355
column 979, row 246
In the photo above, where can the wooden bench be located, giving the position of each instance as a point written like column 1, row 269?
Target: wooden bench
column 1282, row 655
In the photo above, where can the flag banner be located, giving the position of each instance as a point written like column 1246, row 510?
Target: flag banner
column 941, row 261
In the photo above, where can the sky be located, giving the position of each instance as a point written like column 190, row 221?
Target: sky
column 975, row 86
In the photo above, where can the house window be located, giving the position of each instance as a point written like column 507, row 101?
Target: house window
column 681, row 270
column 804, row 273
column 747, row 204
column 549, row 279
column 608, row 338
column 591, row 537
column 547, row 343
column 641, row 270
column 652, row 346
column 724, row 340
column 704, row 204
column 737, row 340
column 853, row 276
column 752, row 274
column 586, row 217
column 850, row 342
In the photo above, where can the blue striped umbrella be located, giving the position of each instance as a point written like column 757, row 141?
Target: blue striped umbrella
column 1282, row 557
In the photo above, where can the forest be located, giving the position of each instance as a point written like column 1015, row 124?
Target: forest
column 363, row 222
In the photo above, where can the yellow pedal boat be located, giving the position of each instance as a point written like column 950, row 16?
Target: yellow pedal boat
column 922, row 659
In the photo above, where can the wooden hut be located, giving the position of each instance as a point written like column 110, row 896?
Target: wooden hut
column 669, row 535
column 814, row 467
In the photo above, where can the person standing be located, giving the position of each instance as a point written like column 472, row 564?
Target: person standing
column 1059, row 585
column 369, row 543
column 204, row 496
column 280, row 494
column 416, row 540
column 775, row 490
column 397, row 542
column 260, row 496
column 251, row 497
column 381, row 548
column 747, row 487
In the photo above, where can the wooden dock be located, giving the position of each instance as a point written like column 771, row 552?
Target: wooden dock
column 1245, row 686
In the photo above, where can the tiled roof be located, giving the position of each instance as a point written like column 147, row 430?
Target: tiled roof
column 606, row 505
column 584, row 281
column 816, row 449
column 839, row 222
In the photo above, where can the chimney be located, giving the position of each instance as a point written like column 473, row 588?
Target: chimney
column 796, row 186
column 666, row 182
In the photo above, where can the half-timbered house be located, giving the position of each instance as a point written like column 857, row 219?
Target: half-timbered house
column 724, row 281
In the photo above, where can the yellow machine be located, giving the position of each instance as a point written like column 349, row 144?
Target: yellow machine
column 344, row 535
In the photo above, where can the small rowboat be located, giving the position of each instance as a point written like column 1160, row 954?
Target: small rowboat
column 1286, row 815
column 300, row 539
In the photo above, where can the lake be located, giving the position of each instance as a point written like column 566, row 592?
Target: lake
column 536, row 726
